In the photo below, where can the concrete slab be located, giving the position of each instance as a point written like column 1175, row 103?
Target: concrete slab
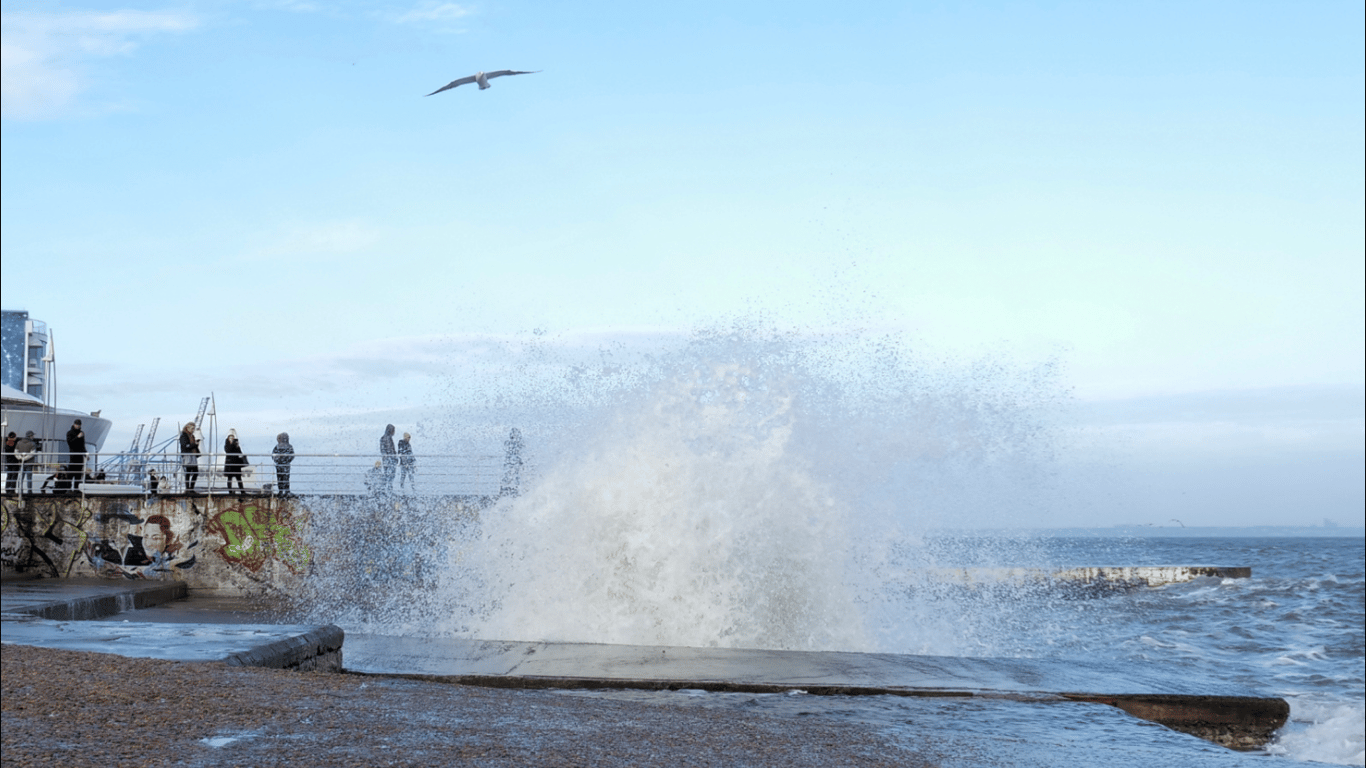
column 207, row 607
column 65, row 613
column 1211, row 709
column 84, row 599
column 281, row 646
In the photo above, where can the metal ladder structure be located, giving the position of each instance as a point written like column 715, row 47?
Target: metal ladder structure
column 203, row 408
column 137, row 436
column 147, row 446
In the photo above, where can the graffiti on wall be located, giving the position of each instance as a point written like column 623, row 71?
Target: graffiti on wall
column 46, row 538
column 139, row 547
column 155, row 538
column 253, row 534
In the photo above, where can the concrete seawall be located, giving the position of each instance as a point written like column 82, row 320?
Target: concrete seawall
column 237, row 545
column 255, row 545
column 232, row 545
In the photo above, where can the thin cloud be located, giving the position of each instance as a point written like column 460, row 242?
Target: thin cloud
column 318, row 240
column 294, row 6
column 427, row 12
column 44, row 55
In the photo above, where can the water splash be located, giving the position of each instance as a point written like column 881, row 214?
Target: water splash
column 747, row 488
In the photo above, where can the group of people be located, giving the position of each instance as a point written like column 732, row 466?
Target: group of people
column 234, row 461
column 21, row 456
column 394, row 459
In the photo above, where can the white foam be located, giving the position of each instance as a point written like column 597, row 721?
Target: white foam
column 702, row 530
column 756, row 493
column 1324, row 732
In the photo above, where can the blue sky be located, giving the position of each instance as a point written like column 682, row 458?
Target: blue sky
column 256, row 199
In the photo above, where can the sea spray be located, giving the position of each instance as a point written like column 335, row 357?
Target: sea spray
column 744, row 488
column 685, row 520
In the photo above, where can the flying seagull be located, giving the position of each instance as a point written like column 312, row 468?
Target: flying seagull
column 482, row 78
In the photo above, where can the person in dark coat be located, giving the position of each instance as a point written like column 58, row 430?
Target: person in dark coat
column 11, row 463
column 284, row 456
column 189, row 455
column 407, row 463
column 389, row 455
column 75, row 446
column 233, row 461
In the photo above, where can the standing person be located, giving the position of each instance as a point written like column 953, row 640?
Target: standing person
column 26, row 450
column 284, row 456
column 512, row 464
column 75, row 446
column 189, row 455
column 389, row 456
column 11, row 463
column 233, row 462
column 407, row 463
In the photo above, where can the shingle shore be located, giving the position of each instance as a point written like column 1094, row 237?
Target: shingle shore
column 90, row 709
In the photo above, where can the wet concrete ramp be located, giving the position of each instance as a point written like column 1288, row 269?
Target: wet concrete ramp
column 1225, row 714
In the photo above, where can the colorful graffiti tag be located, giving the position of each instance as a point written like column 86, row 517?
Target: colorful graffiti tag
column 253, row 534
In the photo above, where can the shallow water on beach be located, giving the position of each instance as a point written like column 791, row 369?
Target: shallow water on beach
column 976, row 732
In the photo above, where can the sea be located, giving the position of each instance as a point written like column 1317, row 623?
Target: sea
column 759, row 490
column 1294, row 629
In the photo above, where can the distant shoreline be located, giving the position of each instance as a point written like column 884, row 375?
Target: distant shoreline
column 1154, row 532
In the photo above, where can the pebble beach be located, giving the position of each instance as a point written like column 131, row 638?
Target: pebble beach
column 90, row 709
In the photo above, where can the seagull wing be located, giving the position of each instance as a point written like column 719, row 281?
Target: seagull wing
column 455, row 83
column 501, row 72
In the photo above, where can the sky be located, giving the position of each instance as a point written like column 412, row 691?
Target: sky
column 257, row 200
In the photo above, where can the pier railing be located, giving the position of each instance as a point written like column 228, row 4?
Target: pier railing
column 306, row 473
